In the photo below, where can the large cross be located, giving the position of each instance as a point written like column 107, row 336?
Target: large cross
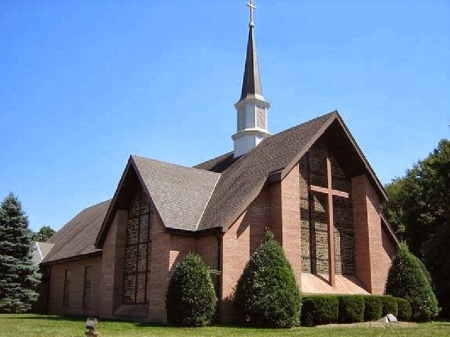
column 252, row 8
column 330, row 193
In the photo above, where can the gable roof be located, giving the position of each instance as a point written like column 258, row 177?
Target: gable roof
column 180, row 194
column 40, row 251
column 243, row 180
column 213, row 194
column 77, row 237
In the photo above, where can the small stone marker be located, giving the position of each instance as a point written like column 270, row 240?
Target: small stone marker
column 391, row 318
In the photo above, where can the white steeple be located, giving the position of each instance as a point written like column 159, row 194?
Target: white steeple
column 252, row 107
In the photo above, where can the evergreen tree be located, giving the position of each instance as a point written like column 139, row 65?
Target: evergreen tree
column 406, row 279
column 267, row 292
column 19, row 276
column 191, row 298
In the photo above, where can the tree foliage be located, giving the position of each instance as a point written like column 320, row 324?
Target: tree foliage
column 45, row 233
column 267, row 292
column 191, row 299
column 19, row 276
column 419, row 210
column 407, row 280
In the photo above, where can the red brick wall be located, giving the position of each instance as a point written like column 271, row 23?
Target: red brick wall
column 286, row 218
column 76, row 288
column 113, row 264
column 159, row 270
column 239, row 242
column 372, row 248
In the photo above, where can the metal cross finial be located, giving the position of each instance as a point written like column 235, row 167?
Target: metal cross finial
column 252, row 7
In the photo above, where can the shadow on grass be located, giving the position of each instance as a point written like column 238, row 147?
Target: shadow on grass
column 47, row 317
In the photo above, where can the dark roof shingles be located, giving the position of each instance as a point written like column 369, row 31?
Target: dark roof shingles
column 250, row 171
column 179, row 193
column 78, row 236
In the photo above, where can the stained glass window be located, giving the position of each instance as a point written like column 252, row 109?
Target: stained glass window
column 137, row 251
column 87, row 286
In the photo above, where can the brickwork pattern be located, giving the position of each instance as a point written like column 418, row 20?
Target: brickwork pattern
column 75, row 271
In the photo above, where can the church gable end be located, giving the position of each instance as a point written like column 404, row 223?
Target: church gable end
column 314, row 218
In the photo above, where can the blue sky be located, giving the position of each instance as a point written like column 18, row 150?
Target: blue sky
column 84, row 84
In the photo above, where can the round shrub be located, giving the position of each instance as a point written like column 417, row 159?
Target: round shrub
column 404, row 309
column 191, row 299
column 406, row 279
column 267, row 293
column 351, row 308
column 389, row 305
column 320, row 309
column 373, row 308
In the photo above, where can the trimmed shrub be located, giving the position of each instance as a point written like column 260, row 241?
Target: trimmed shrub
column 406, row 279
column 404, row 309
column 373, row 308
column 351, row 308
column 320, row 309
column 191, row 299
column 389, row 305
column 267, row 292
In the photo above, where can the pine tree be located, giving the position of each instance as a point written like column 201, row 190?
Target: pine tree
column 19, row 277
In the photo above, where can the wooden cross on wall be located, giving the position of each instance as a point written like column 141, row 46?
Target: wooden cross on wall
column 330, row 217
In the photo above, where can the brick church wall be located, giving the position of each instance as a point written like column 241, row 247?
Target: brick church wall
column 374, row 249
column 238, row 243
column 285, row 217
column 113, row 264
column 67, row 282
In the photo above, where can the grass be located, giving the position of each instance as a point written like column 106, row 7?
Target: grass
column 28, row 325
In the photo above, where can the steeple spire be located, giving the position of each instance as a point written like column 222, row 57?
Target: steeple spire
column 251, row 85
column 251, row 108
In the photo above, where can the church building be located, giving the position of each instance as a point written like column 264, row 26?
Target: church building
column 311, row 185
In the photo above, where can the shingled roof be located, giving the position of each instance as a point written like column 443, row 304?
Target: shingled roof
column 180, row 194
column 78, row 236
column 212, row 194
column 243, row 180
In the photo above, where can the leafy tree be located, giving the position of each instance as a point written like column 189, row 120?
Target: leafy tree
column 191, row 299
column 267, row 292
column 407, row 280
column 45, row 233
column 419, row 203
column 18, row 275
column 419, row 210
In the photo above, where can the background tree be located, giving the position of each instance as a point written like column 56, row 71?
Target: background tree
column 419, row 211
column 18, row 275
column 43, row 234
column 267, row 292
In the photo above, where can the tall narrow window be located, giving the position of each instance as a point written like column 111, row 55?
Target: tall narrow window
column 137, row 251
column 66, row 291
column 87, row 286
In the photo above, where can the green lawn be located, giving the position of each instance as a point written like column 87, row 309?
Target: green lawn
column 53, row 326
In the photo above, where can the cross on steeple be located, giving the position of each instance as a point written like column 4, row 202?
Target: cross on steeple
column 252, row 8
